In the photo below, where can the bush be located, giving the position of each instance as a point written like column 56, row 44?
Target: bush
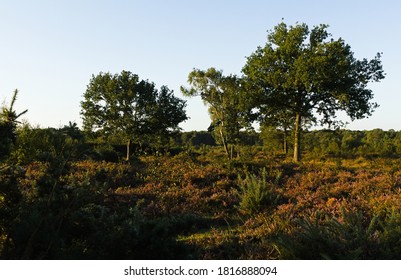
column 10, row 197
column 46, row 145
column 257, row 194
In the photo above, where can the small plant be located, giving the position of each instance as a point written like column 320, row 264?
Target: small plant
column 257, row 193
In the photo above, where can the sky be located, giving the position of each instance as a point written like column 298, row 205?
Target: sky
column 49, row 49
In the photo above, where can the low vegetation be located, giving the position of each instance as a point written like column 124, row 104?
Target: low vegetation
column 64, row 201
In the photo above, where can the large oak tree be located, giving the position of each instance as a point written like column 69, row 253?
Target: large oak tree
column 305, row 74
column 125, row 105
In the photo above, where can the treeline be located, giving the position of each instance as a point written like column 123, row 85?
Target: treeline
column 341, row 143
column 69, row 142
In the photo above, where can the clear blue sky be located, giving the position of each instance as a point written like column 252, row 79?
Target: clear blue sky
column 49, row 49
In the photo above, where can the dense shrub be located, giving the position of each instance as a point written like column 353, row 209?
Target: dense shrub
column 47, row 145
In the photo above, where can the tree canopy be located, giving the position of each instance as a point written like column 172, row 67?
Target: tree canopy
column 303, row 74
column 125, row 105
column 223, row 95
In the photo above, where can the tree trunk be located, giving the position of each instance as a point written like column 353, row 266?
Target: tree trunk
column 128, row 150
column 297, row 138
column 223, row 141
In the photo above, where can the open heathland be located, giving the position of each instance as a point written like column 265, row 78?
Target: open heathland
column 203, row 206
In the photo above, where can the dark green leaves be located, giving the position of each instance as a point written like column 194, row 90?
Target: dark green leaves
column 305, row 73
column 125, row 105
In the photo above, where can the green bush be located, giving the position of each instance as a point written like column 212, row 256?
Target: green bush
column 46, row 145
column 389, row 237
column 257, row 194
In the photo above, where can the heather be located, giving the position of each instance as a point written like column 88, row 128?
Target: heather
column 199, row 205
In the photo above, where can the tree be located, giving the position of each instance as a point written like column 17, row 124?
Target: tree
column 380, row 142
column 223, row 95
column 10, row 194
column 311, row 76
column 168, row 112
column 125, row 105
column 8, row 124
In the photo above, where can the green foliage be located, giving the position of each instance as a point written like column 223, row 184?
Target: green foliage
column 10, row 194
column 194, row 206
column 350, row 236
column 133, row 108
column 197, row 139
column 275, row 140
column 389, row 242
column 302, row 74
column 8, row 125
column 104, row 152
column 227, row 107
column 8, row 115
column 380, row 142
column 37, row 144
column 257, row 193
column 320, row 144
column 323, row 143
column 61, row 216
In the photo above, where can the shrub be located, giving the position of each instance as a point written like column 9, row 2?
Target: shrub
column 10, row 197
column 389, row 239
column 46, row 145
column 257, row 193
